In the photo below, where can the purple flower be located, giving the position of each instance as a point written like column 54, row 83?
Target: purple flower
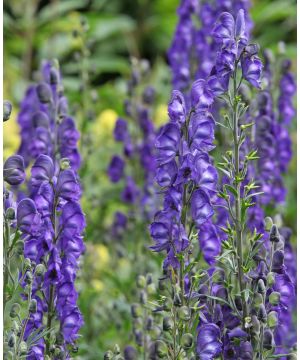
column 176, row 108
column 201, row 131
column 252, row 69
column 14, row 170
column 42, row 171
column 201, row 208
column 71, row 322
column 166, row 174
column 209, row 242
column 121, row 131
column 201, row 95
column 67, row 186
column 28, row 219
column 208, row 342
column 224, row 28
column 116, row 168
column 72, row 220
column 130, row 192
column 167, row 143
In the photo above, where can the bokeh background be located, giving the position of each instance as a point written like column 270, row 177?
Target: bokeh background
column 114, row 31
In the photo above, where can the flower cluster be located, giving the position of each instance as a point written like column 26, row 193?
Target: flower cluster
column 51, row 220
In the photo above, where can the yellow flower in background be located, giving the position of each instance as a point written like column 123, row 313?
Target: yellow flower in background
column 161, row 115
column 97, row 285
column 11, row 136
column 104, row 125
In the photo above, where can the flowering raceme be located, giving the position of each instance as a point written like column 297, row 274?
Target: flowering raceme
column 51, row 221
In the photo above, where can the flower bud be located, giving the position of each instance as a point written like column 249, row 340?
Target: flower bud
column 151, row 289
column 136, row 310
column 274, row 298
column 162, row 284
column 28, row 277
column 252, row 49
column 12, row 340
column 255, row 329
column 8, row 355
column 108, row 355
column 130, row 353
column 161, row 349
column 137, row 323
column 33, row 306
column 149, row 323
column 54, row 76
column 281, row 48
column 27, row 264
column 168, row 304
column 64, row 164
column 141, row 281
column 149, row 279
column 15, row 310
column 261, row 286
column 268, row 223
column 274, row 234
column 167, row 323
column 272, row 319
column 138, row 337
column 40, row 270
column 143, row 297
column 155, row 332
column 7, row 108
column 23, row 348
column 270, row 279
column 238, row 303
column 257, row 300
column 262, row 314
column 187, row 341
column 278, row 260
column 177, row 300
column 15, row 327
column 117, row 350
column 19, row 247
column 10, row 214
column 44, row 93
column 268, row 340
column 184, row 313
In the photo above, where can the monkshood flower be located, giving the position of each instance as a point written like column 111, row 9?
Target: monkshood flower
column 209, row 345
column 14, row 170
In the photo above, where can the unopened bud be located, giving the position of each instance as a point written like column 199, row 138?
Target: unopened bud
column 23, row 348
column 149, row 279
column 257, row 300
column 28, row 277
column 272, row 319
column 151, row 289
column 270, row 279
column 15, row 310
column 155, row 332
column 64, row 164
column 187, row 341
column 10, row 214
column 27, row 264
column 117, row 350
column 184, row 313
column 261, row 288
column 268, row 340
column 143, row 297
column 167, row 323
column 7, row 108
column 136, row 310
column 40, row 270
column 274, row 298
column 141, row 281
column 177, row 300
column 130, row 353
column 108, row 355
column 54, row 76
column 161, row 349
column 12, row 340
column 268, row 223
column 33, row 306
column 274, row 234
column 44, row 93
column 262, row 314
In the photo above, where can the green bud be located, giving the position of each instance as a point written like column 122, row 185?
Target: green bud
column 272, row 319
column 155, row 332
column 12, row 340
column 19, row 247
column 136, row 310
column 255, row 329
column 274, row 298
column 161, row 349
column 64, row 164
column 40, row 270
column 8, row 355
column 15, row 327
column 262, row 314
column 184, row 313
column 187, row 341
column 167, row 323
column 58, row 353
column 268, row 223
column 143, row 297
column 151, row 289
column 141, row 281
column 138, row 323
column 33, row 306
column 10, row 213
column 261, row 286
column 28, row 277
column 270, row 279
column 177, row 300
column 117, row 350
column 23, row 348
column 7, row 108
column 168, row 304
column 162, row 284
column 257, row 300
column 27, row 264
column 15, row 310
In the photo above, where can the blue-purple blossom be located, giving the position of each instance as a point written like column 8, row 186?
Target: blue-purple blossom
column 116, row 168
column 14, row 170
column 209, row 343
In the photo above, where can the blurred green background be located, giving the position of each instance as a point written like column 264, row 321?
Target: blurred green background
column 115, row 31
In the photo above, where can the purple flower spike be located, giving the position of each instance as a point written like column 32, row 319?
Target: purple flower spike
column 42, row 170
column 176, row 108
column 252, row 69
column 208, row 342
column 67, row 185
column 13, row 170
column 116, row 168
column 201, row 208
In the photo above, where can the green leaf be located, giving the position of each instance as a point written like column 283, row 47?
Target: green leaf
column 231, row 189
